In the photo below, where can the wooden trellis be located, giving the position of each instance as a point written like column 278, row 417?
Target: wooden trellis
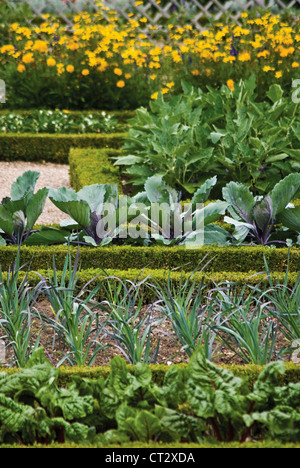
column 160, row 12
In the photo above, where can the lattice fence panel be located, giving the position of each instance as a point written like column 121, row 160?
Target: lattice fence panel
column 158, row 12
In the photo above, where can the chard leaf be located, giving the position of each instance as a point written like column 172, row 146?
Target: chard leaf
column 212, row 390
column 144, row 427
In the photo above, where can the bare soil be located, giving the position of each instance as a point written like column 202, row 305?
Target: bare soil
column 169, row 350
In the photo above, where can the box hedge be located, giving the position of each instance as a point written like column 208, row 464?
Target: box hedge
column 52, row 147
column 242, row 259
column 93, row 166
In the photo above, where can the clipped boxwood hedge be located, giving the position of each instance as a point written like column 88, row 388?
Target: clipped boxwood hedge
column 242, row 259
column 52, row 147
column 158, row 277
column 93, row 166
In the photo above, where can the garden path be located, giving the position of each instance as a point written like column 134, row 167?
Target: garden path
column 51, row 175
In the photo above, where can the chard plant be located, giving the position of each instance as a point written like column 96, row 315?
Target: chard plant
column 199, row 402
column 20, row 211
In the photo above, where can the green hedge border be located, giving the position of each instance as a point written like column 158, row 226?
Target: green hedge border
column 93, row 166
column 249, row 372
column 158, row 277
column 239, row 259
column 53, row 147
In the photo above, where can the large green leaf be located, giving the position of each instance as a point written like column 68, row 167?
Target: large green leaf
column 47, row 236
column 275, row 93
column 98, row 194
column 77, row 210
column 159, row 192
column 284, row 191
column 24, row 184
column 67, row 201
column 290, row 218
column 202, row 193
column 6, row 221
column 240, row 199
column 35, row 207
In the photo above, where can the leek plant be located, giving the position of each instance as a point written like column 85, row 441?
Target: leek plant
column 74, row 319
column 17, row 313
column 129, row 323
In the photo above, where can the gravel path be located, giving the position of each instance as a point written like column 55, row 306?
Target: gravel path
column 51, row 175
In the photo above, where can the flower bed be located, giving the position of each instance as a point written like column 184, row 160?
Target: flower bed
column 96, row 297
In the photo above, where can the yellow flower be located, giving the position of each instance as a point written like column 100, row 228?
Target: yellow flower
column 127, row 76
column 21, row 68
column 230, row 85
column 154, row 95
column 244, row 57
column 278, row 74
column 121, row 84
column 153, row 76
column 195, row 72
column 28, row 58
column 85, row 72
column 70, row 68
column 143, row 20
column 118, row 72
column 295, row 64
column 51, row 62
column 40, row 46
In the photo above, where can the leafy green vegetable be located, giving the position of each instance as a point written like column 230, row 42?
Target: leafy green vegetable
column 256, row 217
column 19, row 212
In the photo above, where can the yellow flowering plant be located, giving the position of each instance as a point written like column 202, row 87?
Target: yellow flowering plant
column 107, row 63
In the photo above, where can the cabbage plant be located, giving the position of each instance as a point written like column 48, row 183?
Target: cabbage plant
column 86, row 209
column 20, row 211
column 175, row 223
column 258, row 218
